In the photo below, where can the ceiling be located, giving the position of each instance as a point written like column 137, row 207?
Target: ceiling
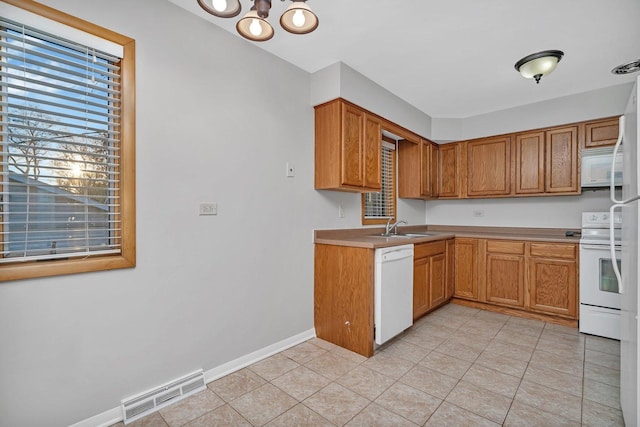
column 455, row 58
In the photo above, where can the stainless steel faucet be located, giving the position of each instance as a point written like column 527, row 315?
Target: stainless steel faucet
column 389, row 226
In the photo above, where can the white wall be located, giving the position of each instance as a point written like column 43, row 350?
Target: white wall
column 545, row 212
column 206, row 290
column 595, row 104
column 340, row 80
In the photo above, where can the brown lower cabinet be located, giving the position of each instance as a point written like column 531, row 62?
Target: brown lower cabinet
column 466, row 268
column 343, row 296
column 430, row 273
column 531, row 276
column 344, row 287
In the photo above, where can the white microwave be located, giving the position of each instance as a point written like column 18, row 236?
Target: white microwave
column 596, row 167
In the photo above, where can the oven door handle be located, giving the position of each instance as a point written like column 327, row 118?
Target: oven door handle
column 598, row 247
column 612, row 246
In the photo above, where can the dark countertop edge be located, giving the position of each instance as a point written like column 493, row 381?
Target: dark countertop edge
column 366, row 237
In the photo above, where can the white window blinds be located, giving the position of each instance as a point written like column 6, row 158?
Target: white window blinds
column 382, row 204
column 59, row 141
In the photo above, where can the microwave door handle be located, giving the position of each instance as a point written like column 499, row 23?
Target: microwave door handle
column 612, row 247
column 612, row 184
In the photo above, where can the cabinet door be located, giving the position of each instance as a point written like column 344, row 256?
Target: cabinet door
column 372, row 153
column 505, row 279
column 437, row 279
column 425, row 169
column 352, row 145
column 435, row 153
column 449, row 170
column 552, row 286
column 450, row 279
column 561, row 166
column 343, row 296
column 530, row 163
column 601, row 133
column 466, row 268
column 489, row 166
column 420, row 287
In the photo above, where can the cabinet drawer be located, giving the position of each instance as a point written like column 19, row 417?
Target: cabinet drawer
column 429, row 249
column 505, row 247
column 553, row 250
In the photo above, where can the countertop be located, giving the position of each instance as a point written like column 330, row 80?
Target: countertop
column 371, row 237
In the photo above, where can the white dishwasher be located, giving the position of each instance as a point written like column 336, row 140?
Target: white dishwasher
column 393, row 291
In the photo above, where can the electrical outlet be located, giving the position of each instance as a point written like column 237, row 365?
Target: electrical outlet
column 340, row 211
column 208, row 209
column 478, row 214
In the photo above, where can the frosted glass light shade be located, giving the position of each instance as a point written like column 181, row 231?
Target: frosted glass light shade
column 539, row 64
column 233, row 8
column 254, row 28
column 298, row 18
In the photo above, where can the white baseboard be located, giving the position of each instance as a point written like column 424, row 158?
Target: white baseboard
column 113, row 416
column 263, row 353
column 105, row 419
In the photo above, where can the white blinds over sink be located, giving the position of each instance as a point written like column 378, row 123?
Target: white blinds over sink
column 381, row 205
column 59, row 136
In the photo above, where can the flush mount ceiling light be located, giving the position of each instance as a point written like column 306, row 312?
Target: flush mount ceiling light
column 539, row 64
column 297, row 19
column 628, row 68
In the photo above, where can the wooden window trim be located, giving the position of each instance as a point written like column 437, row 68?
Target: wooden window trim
column 127, row 257
column 375, row 221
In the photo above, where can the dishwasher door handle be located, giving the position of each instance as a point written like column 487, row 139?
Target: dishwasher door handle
column 393, row 254
column 396, row 255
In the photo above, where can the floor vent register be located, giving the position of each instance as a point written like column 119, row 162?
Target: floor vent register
column 143, row 404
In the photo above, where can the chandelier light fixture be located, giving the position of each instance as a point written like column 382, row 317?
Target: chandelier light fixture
column 539, row 64
column 297, row 19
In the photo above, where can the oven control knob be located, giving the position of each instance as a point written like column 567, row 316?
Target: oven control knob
column 605, row 217
column 594, row 217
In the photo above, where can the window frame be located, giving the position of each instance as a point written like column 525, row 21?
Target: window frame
column 127, row 257
column 394, row 174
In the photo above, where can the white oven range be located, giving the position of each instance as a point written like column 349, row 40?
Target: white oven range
column 599, row 297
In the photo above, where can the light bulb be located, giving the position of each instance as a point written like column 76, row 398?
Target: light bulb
column 255, row 28
column 298, row 18
column 220, row 5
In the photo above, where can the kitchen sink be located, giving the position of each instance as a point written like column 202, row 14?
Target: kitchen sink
column 403, row 235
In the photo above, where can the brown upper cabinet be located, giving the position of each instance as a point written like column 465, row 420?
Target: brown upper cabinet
column 348, row 149
column 489, row 166
column 415, row 169
column 561, row 167
column 546, row 161
column 348, row 157
column 529, row 148
column 601, row 133
column 449, row 179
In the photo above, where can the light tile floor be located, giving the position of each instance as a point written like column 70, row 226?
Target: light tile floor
column 457, row 366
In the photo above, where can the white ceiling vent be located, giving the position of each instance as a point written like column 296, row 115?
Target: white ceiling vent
column 142, row 404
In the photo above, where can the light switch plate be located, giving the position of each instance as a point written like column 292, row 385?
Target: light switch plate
column 291, row 170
